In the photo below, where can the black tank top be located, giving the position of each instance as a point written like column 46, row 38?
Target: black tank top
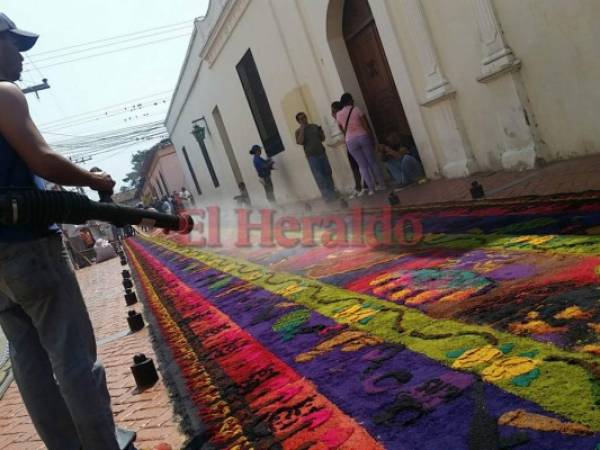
column 14, row 173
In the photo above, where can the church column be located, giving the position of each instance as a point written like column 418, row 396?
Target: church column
column 500, row 71
column 454, row 147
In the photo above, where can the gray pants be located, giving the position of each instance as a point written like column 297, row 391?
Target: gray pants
column 53, row 349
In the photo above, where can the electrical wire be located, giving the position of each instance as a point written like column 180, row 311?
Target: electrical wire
column 109, row 141
column 113, row 142
column 54, row 98
column 112, row 51
column 66, row 119
column 148, row 30
column 48, row 58
column 108, row 135
column 107, row 115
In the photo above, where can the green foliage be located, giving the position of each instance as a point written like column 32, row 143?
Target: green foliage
column 134, row 178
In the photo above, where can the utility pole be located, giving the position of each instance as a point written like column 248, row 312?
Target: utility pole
column 36, row 88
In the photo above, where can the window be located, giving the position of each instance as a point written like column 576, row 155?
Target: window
column 209, row 165
column 163, row 182
column 191, row 169
column 259, row 105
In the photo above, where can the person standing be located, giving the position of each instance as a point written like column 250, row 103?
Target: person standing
column 176, row 202
column 167, row 206
column 244, row 198
column 360, row 142
column 186, row 198
column 263, row 169
column 42, row 312
column 311, row 137
column 359, row 189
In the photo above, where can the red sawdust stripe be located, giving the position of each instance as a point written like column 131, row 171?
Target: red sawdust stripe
column 213, row 410
column 292, row 406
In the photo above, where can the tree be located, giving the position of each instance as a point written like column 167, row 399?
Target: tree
column 134, row 178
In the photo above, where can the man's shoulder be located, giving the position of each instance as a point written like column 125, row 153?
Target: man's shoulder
column 11, row 96
column 10, row 89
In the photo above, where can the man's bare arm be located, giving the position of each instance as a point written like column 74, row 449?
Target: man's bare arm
column 21, row 133
column 300, row 136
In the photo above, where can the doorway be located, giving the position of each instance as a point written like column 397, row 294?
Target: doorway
column 373, row 72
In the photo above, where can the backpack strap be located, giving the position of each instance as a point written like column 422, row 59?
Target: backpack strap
column 348, row 120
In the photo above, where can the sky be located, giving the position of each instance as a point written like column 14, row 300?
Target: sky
column 109, row 84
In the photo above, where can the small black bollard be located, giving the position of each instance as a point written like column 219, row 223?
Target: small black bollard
column 123, row 261
column 144, row 372
column 135, row 321
column 393, row 199
column 125, row 273
column 476, row 190
column 127, row 283
column 130, row 298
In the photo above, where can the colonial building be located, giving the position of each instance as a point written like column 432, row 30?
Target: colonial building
column 479, row 85
column 161, row 173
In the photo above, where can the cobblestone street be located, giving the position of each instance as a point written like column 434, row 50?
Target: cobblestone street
column 148, row 413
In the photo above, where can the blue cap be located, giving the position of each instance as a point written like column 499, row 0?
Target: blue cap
column 24, row 39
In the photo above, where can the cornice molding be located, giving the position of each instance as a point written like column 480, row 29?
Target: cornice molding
column 229, row 16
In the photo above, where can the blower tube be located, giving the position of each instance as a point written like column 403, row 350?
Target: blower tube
column 35, row 207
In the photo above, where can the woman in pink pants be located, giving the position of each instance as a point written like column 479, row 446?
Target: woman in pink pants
column 360, row 143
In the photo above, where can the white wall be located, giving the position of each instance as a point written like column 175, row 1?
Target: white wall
column 303, row 66
column 290, row 88
column 558, row 42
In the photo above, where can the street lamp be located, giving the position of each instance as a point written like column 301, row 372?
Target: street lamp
column 198, row 131
column 200, row 135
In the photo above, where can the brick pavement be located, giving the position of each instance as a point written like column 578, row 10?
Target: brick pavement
column 149, row 413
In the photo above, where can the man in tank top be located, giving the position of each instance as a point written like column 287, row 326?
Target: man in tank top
column 42, row 312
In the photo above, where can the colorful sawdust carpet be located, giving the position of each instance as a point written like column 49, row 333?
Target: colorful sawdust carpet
column 485, row 335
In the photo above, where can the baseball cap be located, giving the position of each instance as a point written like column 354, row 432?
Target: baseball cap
column 24, row 39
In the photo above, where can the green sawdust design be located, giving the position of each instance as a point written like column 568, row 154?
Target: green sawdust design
column 220, row 284
column 522, row 227
column 562, row 388
column 290, row 324
column 580, row 245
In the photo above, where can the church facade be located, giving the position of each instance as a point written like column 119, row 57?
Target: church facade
column 479, row 85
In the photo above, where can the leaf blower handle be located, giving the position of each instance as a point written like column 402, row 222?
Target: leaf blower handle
column 106, row 195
